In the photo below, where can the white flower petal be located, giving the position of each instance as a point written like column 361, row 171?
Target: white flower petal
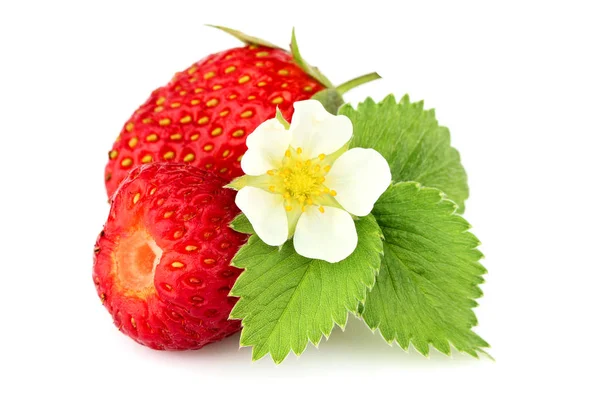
column 266, row 213
column 359, row 177
column 266, row 147
column 254, row 163
column 316, row 131
column 329, row 236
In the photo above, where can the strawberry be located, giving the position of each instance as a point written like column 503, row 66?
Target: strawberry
column 203, row 116
column 162, row 262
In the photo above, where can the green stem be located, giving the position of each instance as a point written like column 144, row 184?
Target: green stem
column 361, row 80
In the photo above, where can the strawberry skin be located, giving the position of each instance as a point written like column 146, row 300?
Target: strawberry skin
column 203, row 116
column 162, row 262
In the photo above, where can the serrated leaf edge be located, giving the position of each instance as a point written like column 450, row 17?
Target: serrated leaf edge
column 323, row 333
column 390, row 99
column 443, row 199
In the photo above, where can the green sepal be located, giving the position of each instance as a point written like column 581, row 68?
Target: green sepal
column 241, row 224
column 245, row 38
column 282, row 119
column 306, row 67
column 238, row 183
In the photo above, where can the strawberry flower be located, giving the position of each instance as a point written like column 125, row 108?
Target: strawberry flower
column 302, row 181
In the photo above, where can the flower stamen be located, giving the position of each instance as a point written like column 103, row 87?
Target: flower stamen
column 299, row 180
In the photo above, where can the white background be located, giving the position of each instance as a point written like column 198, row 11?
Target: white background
column 517, row 83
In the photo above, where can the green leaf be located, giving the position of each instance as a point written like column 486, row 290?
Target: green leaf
column 245, row 38
column 306, row 67
column 241, row 224
column 413, row 143
column 430, row 273
column 287, row 300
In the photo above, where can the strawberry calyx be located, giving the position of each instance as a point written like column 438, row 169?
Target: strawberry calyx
column 306, row 67
column 331, row 99
column 249, row 40
column 332, row 96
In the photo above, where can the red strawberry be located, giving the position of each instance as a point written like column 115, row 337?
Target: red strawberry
column 162, row 262
column 202, row 117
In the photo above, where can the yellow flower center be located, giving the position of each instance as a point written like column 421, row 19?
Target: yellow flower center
column 303, row 181
column 300, row 180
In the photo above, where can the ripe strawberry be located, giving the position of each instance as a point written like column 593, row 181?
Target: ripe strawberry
column 162, row 262
column 202, row 117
